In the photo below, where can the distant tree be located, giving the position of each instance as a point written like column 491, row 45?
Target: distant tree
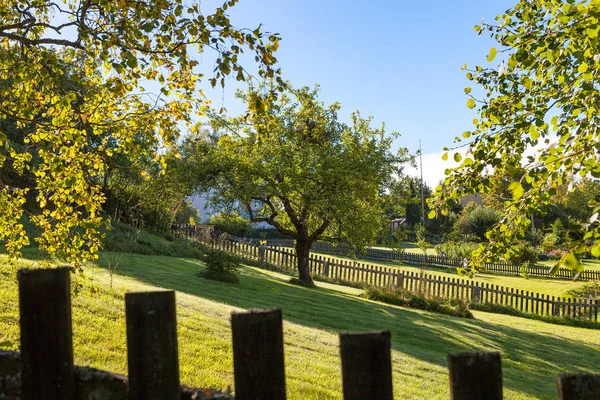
column 577, row 202
column 476, row 220
column 295, row 166
column 231, row 223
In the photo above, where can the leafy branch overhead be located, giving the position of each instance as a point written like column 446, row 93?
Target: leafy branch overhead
column 68, row 133
column 537, row 119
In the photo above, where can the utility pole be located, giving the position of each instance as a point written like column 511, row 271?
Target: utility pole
column 422, row 195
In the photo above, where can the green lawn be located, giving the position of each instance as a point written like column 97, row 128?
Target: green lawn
column 593, row 265
column 552, row 287
column 533, row 352
column 409, row 247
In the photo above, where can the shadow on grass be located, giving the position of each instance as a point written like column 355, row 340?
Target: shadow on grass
column 529, row 358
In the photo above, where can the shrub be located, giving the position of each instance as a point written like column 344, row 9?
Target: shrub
column 556, row 254
column 220, row 266
column 402, row 297
column 456, row 250
column 522, row 253
column 589, row 290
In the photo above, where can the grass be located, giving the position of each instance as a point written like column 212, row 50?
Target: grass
column 410, row 247
column 553, row 287
column 533, row 352
column 593, row 265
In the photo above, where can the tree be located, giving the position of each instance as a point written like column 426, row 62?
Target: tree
column 296, row 167
column 577, row 202
column 476, row 221
column 536, row 110
column 71, row 132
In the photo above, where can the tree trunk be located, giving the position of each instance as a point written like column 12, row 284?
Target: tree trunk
column 303, row 252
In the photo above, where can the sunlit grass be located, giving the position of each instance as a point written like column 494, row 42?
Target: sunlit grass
column 533, row 352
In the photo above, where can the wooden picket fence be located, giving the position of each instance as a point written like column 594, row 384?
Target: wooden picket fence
column 540, row 271
column 354, row 272
column 47, row 370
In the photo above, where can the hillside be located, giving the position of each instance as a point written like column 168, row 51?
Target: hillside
column 420, row 340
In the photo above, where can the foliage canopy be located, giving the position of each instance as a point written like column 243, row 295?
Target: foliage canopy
column 298, row 168
column 537, row 110
column 137, row 71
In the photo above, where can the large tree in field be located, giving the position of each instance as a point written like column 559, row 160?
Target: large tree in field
column 295, row 166
column 137, row 72
column 537, row 107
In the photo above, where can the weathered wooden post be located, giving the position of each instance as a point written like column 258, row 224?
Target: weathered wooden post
column 476, row 294
column 556, row 309
column 261, row 253
column 578, row 386
column 366, row 365
column 46, row 334
column 152, row 346
column 400, row 280
column 326, row 268
column 258, row 362
column 475, row 376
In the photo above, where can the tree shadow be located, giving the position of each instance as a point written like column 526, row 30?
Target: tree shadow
column 528, row 357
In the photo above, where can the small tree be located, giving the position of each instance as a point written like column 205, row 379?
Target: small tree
column 296, row 167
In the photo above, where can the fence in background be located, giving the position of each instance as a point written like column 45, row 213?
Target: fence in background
column 47, row 371
column 540, row 271
column 429, row 285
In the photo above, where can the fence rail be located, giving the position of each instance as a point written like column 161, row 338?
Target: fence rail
column 44, row 369
column 540, row 271
column 429, row 285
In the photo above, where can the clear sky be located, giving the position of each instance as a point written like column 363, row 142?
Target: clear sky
column 396, row 60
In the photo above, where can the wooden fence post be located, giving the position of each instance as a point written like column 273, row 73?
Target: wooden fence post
column 258, row 362
column 400, row 280
column 476, row 294
column 475, row 376
column 46, row 334
column 326, row 268
column 152, row 346
column 578, row 386
column 366, row 365
column 555, row 309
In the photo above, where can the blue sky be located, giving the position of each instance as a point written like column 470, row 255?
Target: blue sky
column 398, row 61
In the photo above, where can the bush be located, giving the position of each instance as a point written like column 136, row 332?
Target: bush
column 522, row 253
column 589, row 290
column 456, row 250
column 220, row 266
column 402, row 297
column 476, row 220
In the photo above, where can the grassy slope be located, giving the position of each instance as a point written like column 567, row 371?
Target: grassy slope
column 533, row 352
column 553, row 287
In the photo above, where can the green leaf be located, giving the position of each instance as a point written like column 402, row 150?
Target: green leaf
column 517, row 190
column 492, row 55
column 445, row 156
column 571, row 262
column 583, row 67
column 432, row 214
column 471, row 103
column 596, row 250
column 457, row 157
